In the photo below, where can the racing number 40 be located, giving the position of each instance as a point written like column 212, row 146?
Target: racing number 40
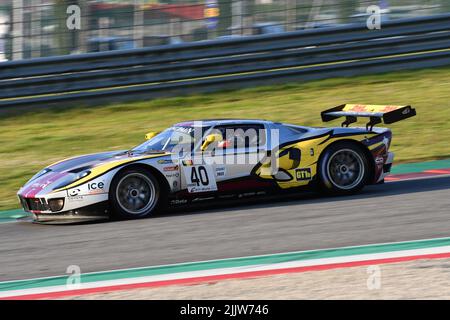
column 199, row 175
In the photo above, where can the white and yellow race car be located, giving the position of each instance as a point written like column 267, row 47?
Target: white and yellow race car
column 216, row 159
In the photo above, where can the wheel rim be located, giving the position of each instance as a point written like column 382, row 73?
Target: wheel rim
column 345, row 169
column 136, row 193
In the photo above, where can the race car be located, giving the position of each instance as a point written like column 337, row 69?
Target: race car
column 194, row 161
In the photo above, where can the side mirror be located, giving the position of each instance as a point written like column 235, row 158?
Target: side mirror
column 150, row 135
column 210, row 139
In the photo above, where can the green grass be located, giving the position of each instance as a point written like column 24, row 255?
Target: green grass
column 30, row 141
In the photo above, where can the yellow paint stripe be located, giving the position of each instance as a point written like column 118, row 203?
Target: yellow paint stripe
column 376, row 145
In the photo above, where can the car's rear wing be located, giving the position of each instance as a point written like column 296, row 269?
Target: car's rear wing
column 376, row 113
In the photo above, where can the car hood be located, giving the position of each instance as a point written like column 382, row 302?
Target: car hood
column 66, row 170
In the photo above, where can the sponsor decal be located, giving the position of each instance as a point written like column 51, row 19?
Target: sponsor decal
column 202, row 199
column 188, row 163
column 220, row 172
column 303, row 174
column 178, row 201
column 90, row 188
column 41, row 185
column 170, row 168
column 227, row 196
column 247, row 194
column 75, row 198
column 166, row 161
column 73, row 192
column 369, row 108
column 95, row 187
column 172, row 175
column 186, row 130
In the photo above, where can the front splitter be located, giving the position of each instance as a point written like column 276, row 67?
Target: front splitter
column 96, row 212
column 66, row 219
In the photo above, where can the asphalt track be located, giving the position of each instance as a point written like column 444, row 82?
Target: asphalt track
column 397, row 211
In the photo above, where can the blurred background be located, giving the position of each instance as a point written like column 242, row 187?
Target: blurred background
column 37, row 28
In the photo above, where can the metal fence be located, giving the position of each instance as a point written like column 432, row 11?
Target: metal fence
column 226, row 64
column 38, row 28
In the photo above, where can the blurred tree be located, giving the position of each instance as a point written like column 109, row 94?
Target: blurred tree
column 62, row 33
column 173, row 1
column 346, row 9
column 249, row 12
column 445, row 5
column 8, row 46
column 82, row 35
column 225, row 17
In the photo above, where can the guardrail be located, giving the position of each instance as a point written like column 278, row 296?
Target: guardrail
column 227, row 64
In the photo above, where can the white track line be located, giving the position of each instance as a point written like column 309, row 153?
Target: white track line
column 225, row 271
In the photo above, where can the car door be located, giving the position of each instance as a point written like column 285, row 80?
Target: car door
column 233, row 159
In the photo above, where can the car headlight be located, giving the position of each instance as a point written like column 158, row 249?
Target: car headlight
column 71, row 178
column 56, row 204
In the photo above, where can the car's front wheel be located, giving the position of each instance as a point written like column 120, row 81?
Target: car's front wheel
column 343, row 169
column 134, row 193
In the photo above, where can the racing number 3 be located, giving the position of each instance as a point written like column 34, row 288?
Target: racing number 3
column 199, row 175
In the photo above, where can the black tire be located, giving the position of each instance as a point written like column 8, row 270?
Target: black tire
column 134, row 193
column 343, row 169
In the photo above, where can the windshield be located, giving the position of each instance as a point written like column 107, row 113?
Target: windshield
column 180, row 137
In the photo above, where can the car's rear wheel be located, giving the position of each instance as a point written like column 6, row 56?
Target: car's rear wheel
column 343, row 169
column 134, row 193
